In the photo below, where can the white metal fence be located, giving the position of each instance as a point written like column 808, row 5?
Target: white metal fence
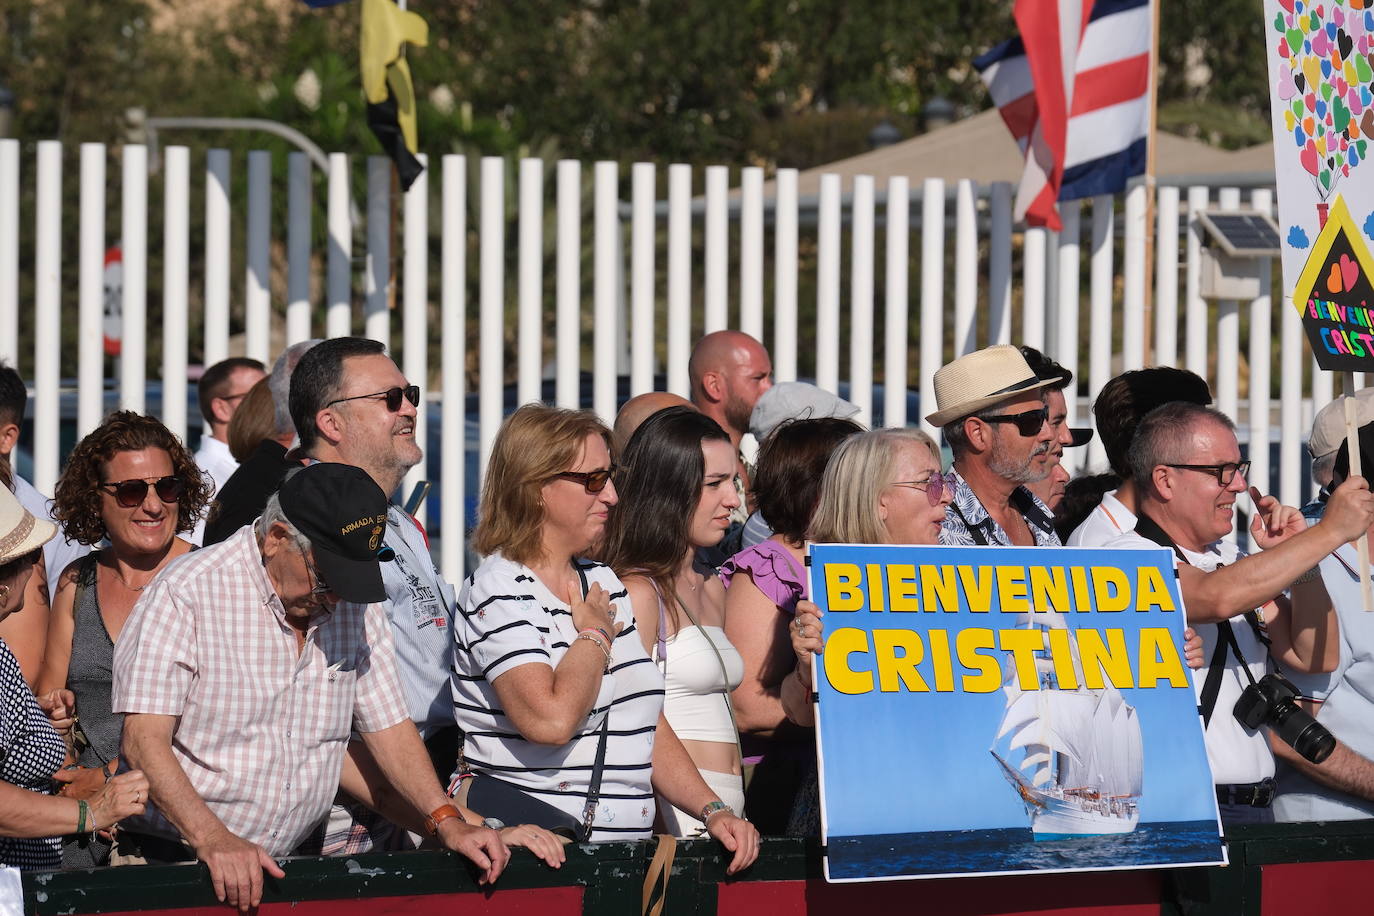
column 645, row 260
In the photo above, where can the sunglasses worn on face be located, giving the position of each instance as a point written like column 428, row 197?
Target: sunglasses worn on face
column 392, row 396
column 936, row 487
column 594, row 481
column 1028, row 423
column 1224, row 473
column 130, row 493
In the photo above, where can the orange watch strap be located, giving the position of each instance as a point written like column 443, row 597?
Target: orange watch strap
column 439, row 814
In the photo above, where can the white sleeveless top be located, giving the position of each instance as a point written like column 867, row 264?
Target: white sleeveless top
column 696, row 696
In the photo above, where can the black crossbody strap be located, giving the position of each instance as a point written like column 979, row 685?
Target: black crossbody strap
column 973, row 531
column 594, row 788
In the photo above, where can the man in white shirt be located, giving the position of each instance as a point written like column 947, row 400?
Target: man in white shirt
column 1187, row 473
column 1120, row 406
column 220, row 391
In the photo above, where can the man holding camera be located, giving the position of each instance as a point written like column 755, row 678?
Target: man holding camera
column 1187, row 470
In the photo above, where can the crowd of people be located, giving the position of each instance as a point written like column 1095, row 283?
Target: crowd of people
column 248, row 653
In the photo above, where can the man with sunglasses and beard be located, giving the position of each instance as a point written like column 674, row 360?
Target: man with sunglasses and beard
column 1187, row 470
column 352, row 405
column 993, row 411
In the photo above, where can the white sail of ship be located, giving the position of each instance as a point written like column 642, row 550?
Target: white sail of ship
column 1081, row 763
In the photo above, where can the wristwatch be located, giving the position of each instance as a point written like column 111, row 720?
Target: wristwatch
column 494, row 823
column 438, row 815
column 714, row 807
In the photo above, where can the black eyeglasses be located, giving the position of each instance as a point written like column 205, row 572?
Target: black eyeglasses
column 594, row 481
column 392, row 396
column 130, row 493
column 936, row 487
column 1224, row 473
column 1027, row 423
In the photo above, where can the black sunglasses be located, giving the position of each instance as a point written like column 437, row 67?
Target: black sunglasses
column 392, row 396
column 1224, row 473
column 130, row 493
column 594, row 481
column 1028, row 423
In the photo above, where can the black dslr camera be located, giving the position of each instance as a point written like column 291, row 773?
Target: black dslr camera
column 1270, row 702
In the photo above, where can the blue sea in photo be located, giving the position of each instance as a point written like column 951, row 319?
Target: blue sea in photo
column 955, row 852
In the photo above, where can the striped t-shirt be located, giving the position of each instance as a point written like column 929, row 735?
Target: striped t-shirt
column 508, row 618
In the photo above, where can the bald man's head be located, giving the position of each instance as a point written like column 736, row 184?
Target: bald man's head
column 728, row 372
column 638, row 409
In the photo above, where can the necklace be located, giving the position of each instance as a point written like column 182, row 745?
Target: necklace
column 132, row 588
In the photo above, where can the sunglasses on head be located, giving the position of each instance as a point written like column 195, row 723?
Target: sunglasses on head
column 936, row 487
column 594, row 481
column 392, row 397
column 130, row 493
column 1027, row 423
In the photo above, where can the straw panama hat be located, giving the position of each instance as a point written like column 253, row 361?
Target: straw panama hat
column 980, row 379
column 20, row 531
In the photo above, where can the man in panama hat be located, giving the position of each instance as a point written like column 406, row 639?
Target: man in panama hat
column 994, row 416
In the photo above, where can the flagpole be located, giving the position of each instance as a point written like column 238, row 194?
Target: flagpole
column 1150, row 182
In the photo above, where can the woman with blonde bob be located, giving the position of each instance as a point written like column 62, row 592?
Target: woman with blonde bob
column 560, row 706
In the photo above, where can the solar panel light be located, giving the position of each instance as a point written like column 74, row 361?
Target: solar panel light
column 1234, row 244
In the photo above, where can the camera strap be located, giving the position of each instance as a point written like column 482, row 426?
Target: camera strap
column 1147, row 528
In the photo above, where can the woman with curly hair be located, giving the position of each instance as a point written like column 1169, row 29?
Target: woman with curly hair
column 132, row 484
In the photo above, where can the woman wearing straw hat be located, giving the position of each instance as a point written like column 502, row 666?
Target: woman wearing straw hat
column 32, row 820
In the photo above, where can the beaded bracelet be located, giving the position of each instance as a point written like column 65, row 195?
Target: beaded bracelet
column 596, row 641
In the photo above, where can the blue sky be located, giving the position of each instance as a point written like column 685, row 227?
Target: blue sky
column 908, row 762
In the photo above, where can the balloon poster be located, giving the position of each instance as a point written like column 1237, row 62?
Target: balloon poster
column 1321, row 70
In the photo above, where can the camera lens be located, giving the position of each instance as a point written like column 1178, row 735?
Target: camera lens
column 1305, row 734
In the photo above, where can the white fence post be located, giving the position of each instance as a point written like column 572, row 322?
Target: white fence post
column 453, row 333
column 568, row 303
column 133, row 348
column 90, row 344
column 492, row 317
column 338, row 321
column 1033, row 301
column 861, row 299
column 529, row 351
column 1100, row 326
column 1166, row 280
column 643, row 231
column 679, row 277
column 175, row 286
column 1261, row 199
column 1134, row 267
column 47, row 301
column 717, row 248
column 376, row 310
column 217, row 252
column 1195, row 306
column 828, row 286
column 895, row 328
column 415, row 329
column 932, row 293
column 9, row 251
column 298, row 248
column 751, row 252
column 258, row 241
column 1066, row 314
column 785, row 277
column 965, row 267
column 604, row 335
column 999, row 266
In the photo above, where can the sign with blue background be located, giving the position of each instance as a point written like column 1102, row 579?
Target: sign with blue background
column 1003, row 710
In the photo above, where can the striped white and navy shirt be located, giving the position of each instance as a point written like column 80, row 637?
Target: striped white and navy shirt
column 508, row 618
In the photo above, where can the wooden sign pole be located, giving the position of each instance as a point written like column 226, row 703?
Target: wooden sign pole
column 1352, row 438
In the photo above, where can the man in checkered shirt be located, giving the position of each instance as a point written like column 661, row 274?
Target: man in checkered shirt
column 241, row 672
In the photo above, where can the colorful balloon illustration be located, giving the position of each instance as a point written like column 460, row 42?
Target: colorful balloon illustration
column 1329, row 51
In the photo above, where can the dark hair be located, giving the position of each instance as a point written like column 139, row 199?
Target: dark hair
column 215, row 382
column 1081, row 496
column 1125, row 400
column 792, row 460
column 76, row 501
column 318, row 379
column 253, row 422
column 659, row 483
column 1166, row 436
column 1046, row 369
column 14, row 397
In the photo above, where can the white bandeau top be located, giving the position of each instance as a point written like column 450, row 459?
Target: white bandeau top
column 696, row 698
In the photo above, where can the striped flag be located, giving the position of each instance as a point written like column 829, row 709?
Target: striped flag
column 1074, row 89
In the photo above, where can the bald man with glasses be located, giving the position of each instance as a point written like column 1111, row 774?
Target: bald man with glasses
column 352, row 405
column 1188, row 473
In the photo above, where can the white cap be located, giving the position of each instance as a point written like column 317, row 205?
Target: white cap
column 1328, row 426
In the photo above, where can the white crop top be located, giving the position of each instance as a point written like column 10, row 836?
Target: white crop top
column 695, row 700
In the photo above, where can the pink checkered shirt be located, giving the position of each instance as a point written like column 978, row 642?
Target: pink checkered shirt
column 262, row 729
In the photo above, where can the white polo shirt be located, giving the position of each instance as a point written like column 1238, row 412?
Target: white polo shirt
column 1109, row 519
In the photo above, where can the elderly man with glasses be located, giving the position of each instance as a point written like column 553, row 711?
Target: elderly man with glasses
column 996, row 421
column 241, row 672
column 1251, row 610
column 352, row 405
